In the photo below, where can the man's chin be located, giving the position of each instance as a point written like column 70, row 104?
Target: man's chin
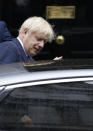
column 34, row 54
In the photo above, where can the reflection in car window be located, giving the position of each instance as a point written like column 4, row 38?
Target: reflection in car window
column 52, row 106
column 89, row 82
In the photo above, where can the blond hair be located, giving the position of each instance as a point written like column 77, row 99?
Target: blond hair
column 38, row 24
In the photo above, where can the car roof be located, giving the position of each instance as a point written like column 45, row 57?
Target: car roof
column 44, row 70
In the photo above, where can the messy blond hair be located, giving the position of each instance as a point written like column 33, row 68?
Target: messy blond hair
column 38, row 24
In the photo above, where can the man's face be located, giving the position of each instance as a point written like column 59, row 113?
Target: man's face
column 34, row 43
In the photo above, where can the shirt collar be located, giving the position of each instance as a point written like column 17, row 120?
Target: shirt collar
column 22, row 45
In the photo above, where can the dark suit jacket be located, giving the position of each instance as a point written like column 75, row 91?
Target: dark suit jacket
column 4, row 32
column 12, row 51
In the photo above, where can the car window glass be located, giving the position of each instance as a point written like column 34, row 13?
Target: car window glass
column 52, row 106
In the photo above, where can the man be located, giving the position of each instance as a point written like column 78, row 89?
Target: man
column 33, row 34
column 5, row 35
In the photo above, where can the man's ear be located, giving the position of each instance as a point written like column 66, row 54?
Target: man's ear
column 25, row 31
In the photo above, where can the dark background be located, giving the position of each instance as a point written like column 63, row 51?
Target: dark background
column 78, row 32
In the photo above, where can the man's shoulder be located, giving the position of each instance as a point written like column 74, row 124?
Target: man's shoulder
column 7, row 43
column 12, row 44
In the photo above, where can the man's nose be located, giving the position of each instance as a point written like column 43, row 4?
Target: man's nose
column 41, row 44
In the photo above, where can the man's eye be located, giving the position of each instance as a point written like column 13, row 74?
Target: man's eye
column 39, row 39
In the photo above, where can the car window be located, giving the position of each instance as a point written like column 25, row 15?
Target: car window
column 51, row 107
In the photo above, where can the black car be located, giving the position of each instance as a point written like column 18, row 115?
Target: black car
column 47, row 96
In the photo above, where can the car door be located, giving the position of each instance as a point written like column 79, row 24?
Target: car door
column 54, row 106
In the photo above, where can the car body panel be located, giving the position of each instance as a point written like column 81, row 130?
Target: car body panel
column 37, row 71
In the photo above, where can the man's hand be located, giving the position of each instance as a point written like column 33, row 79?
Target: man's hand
column 58, row 58
column 27, row 121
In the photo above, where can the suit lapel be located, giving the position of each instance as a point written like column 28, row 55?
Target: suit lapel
column 21, row 51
